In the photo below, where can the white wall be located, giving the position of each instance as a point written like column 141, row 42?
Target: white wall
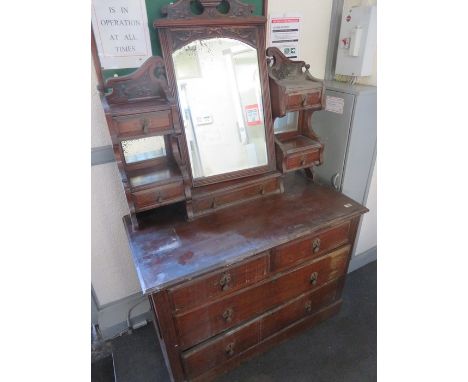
column 112, row 272
column 99, row 132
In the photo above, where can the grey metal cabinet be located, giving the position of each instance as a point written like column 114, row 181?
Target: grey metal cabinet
column 348, row 129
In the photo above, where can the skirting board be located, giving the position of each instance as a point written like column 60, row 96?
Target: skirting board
column 113, row 317
column 363, row 259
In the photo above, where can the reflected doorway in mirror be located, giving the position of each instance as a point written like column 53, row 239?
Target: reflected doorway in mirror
column 221, row 106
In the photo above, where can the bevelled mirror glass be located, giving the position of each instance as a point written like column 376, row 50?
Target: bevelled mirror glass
column 139, row 150
column 221, row 104
column 287, row 123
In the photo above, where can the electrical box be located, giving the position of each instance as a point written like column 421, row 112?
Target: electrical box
column 347, row 127
column 357, row 42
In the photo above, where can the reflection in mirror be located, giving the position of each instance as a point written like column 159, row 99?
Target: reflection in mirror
column 221, row 103
column 137, row 150
column 286, row 123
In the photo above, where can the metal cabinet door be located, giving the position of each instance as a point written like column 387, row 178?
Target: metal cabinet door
column 333, row 130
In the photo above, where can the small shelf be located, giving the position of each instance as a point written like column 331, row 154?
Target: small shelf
column 298, row 152
column 154, row 176
column 298, row 143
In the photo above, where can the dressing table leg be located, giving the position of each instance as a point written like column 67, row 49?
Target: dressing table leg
column 310, row 173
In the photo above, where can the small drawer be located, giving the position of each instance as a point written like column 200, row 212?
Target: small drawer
column 312, row 247
column 304, row 159
column 201, row 323
column 313, row 99
column 143, row 124
column 218, row 284
column 296, row 101
column 157, row 196
column 224, row 347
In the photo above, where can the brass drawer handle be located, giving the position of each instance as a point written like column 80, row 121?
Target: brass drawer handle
column 313, row 278
column 213, row 204
column 304, row 100
column 160, row 198
column 144, row 126
column 225, row 280
column 316, row 245
column 308, row 306
column 227, row 315
column 262, row 191
column 303, row 161
column 230, row 349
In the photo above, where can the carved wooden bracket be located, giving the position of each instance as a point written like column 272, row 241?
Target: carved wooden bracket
column 147, row 83
column 281, row 67
column 182, row 9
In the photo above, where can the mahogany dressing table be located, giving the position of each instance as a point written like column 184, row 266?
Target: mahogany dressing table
column 234, row 244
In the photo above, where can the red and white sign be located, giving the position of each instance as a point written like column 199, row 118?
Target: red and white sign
column 284, row 20
column 284, row 34
column 252, row 115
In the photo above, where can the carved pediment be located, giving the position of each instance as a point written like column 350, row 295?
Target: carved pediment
column 146, row 83
column 184, row 9
column 181, row 38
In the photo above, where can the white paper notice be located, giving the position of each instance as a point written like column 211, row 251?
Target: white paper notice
column 334, row 104
column 285, row 33
column 121, row 32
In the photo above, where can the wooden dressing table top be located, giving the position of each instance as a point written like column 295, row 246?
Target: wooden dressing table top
column 168, row 249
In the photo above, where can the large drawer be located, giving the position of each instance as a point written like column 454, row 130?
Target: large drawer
column 308, row 248
column 226, row 346
column 218, row 284
column 204, row 322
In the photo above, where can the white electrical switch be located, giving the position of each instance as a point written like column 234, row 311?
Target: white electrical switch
column 357, row 41
column 355, row 44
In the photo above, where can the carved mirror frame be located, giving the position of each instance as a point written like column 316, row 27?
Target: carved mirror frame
column 181, row 27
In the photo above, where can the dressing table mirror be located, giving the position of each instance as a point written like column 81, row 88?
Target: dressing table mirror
column 235, row 248
column 218, row 83
column 217, row 71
